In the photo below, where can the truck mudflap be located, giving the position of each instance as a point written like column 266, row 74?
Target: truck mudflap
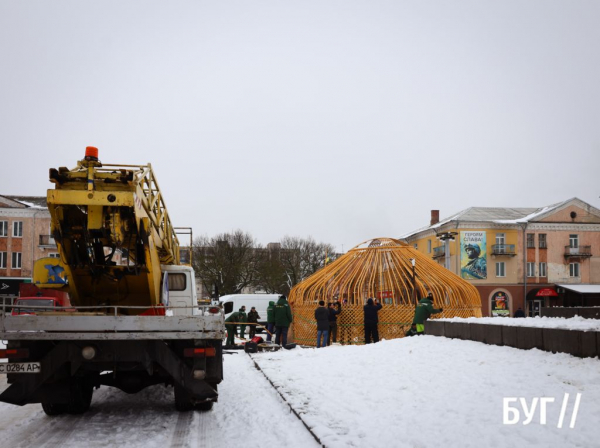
column 153, row 362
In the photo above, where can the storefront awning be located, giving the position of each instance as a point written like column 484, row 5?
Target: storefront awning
column 582, row 289
column 546, row 292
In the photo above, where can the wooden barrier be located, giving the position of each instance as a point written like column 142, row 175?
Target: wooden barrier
column 587, row 312
column 583, row 344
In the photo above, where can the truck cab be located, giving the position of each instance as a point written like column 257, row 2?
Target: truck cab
column 180, row 290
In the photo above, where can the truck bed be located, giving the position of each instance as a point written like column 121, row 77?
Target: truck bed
column 86, row 327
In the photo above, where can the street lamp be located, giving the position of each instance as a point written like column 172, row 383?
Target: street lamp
column 414, row 281
column 446, row 237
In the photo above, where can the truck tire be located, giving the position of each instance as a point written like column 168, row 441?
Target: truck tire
column 81, row 397
column 52, row 409
column 205, row 406
column 183, row 400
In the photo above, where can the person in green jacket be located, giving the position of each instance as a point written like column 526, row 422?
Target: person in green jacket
column 232, row 328
column 422, row 312
column 283, row 319
column 243, row 318
column 270, row 320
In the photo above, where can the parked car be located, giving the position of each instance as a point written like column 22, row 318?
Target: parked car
column 51, row 303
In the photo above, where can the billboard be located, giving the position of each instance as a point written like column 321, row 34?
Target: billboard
column 500, row 306
column 473, row 255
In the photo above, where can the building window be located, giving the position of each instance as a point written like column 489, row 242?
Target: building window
column 573, row 269
column 543, row 270
column 3, row 257
column 500, row 238
column 16, row 260
column 573, row 242
column 530, row 269
column 54, row 255
column 530, row 240
column 416, row 246
column 3, row 228
column 542, row 240
column 17, row 228
column 500, row 269
column 428, row 246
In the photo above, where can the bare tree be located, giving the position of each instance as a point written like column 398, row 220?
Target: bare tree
column 270, row 271
column 302, row 257
column 226, row 261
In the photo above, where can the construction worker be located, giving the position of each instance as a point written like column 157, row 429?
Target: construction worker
column 283, row 319
column 253, row 317
column 371, row 320
column 232, row 328
column 243, row 318
column 423, row 310
column 270, row 320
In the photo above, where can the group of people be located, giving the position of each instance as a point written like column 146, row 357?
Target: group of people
column 327, row 320
column 327, row 323
column 279, row 318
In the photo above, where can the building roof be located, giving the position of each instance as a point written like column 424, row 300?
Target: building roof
column 29, row 201
column 582, row 289
column 497, row 215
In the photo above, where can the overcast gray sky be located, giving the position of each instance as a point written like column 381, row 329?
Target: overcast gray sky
column 343, row 120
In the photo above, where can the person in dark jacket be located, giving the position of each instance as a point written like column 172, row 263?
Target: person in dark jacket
column 270, row 320
column 322, row 318
column 283, row 319
column 231, row 328
column 423, row 310
column 243, row 318
column 371, row 320
column 334, row 309
column 519, row 313
column 253, row 319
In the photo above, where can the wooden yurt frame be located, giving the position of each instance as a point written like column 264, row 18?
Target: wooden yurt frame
column 379, row 268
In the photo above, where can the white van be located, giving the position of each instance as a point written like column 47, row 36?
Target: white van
column 233, row 302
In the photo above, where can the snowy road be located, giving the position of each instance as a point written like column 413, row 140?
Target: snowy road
column 249, row 414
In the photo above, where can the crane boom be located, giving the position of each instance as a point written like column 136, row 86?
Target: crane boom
column 113, row 231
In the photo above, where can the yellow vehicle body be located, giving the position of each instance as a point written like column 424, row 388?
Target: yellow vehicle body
column 113, row 232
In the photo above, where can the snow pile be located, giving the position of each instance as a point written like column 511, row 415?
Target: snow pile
column 428, row 391
column 571, row 323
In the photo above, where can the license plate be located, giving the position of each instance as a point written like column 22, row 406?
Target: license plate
column 20, row 367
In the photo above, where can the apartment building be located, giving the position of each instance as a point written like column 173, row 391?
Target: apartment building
column 525, row 258
column 24, row 237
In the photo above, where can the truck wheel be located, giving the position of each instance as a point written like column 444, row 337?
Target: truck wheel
column 81, row 397
column 206, row 406
column 52, row 409
column 183, row 400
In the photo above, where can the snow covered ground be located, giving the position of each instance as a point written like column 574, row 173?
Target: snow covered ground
column 428, row 391
column 571, row 323
column 413, row 392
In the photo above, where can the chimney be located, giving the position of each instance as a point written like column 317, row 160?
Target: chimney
column 435, row 217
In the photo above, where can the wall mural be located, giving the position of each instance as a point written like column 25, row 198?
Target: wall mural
column 473, row 255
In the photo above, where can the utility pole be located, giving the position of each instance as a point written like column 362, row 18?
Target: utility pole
column 446, row 237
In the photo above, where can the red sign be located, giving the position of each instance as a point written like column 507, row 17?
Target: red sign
column 546, row 292
column 385, row 295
